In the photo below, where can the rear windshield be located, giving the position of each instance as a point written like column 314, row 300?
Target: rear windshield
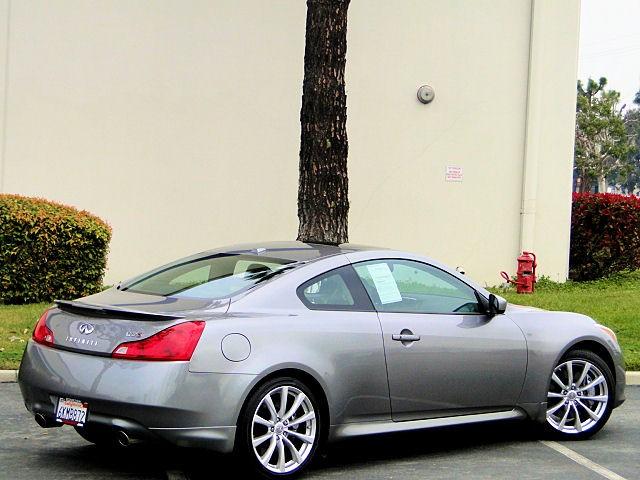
column 216, row 276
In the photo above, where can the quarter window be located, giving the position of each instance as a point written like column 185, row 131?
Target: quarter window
column 414, row 287
column 337, row 289
column 328, row 290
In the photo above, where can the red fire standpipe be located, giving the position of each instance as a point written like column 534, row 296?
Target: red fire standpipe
column 526, row 274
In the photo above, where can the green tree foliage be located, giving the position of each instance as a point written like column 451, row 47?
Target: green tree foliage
column 631, row 182
column 602, row 143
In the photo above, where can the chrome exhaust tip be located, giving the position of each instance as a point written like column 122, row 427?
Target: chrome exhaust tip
column 122, row 439
column 40, row 420
column 44, row 422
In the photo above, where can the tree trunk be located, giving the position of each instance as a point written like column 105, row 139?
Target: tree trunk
column 585, row 184
column 602, row 184
column 323, row 204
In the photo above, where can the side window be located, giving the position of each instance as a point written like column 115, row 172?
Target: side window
column 337, row 289
column 414, row 287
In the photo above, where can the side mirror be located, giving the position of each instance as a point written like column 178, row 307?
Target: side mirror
column 497, row 305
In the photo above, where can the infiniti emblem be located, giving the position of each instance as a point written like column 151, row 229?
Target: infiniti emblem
column 86, row 328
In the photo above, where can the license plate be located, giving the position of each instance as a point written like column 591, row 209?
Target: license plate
column 71, row 411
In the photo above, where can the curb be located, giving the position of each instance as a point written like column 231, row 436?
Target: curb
column 633, row 378
column 9, row 376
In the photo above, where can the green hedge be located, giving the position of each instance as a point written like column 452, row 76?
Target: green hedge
column 605, row 235
column 49, row 250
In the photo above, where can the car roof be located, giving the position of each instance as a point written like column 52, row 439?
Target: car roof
column 294, row 251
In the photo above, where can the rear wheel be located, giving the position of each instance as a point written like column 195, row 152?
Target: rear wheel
column 580, row 396
column 280, row 428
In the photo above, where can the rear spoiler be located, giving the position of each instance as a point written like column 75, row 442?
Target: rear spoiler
column 111, row 311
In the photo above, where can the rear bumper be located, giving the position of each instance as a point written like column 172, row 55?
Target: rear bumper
column 146, row 399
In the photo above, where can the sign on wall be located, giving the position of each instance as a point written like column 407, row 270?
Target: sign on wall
column 453, row 174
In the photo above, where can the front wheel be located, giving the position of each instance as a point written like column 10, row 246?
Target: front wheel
column 280, row 428
column 580, row 396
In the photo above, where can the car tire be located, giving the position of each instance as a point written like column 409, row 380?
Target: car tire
column 580, row 396
column 276, row 439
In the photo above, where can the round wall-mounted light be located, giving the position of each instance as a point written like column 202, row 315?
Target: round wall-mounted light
column 426, row 94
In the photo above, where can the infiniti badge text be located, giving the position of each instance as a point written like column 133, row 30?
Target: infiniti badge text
column 82, row 341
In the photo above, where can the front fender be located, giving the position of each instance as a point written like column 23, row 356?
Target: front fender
column 550, row 335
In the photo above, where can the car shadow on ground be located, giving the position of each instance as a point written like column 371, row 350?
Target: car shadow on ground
column 363, row 451
column 140, row 461
column 153, row 461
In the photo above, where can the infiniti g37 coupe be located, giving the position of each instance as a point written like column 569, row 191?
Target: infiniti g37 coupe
column 273, row 349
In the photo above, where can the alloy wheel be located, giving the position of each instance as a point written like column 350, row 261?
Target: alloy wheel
column 284, row 429
column 578, row 396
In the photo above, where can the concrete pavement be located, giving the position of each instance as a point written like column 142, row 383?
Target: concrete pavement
column 489, row 451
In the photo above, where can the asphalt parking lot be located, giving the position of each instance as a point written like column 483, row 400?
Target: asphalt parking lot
column 490, row 451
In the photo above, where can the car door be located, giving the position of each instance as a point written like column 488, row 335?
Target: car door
column 348, row 336
column 444, row 355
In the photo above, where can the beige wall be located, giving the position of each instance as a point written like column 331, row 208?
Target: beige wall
column 178, row 122
column 548, row 160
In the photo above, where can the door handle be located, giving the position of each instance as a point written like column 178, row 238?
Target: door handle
column 405, row 337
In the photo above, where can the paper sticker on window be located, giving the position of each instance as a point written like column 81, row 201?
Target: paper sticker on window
column 385, row 283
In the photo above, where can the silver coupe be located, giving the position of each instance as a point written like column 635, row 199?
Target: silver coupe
column 271, row 350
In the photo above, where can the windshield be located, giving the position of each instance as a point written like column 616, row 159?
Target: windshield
column 217, row 276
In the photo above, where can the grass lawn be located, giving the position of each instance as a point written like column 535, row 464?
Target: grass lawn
column 614, row 302
column 16, row 326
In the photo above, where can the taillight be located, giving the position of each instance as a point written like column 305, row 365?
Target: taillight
column 174, row 343
column 43, row 334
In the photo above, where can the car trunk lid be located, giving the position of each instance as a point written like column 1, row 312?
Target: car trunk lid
column 90, row 326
